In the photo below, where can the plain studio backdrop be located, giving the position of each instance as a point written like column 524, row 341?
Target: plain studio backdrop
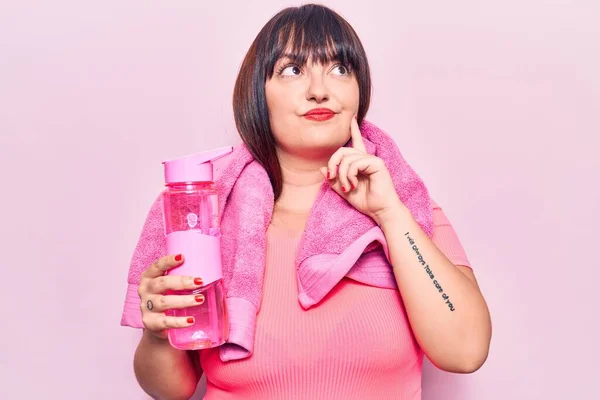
column 495, row 104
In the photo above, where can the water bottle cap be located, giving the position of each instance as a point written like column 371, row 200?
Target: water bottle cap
column 195, row 167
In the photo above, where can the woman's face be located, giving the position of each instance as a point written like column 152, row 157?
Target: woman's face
column 293, row 91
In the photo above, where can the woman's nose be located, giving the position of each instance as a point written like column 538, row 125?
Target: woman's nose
column 317, row 90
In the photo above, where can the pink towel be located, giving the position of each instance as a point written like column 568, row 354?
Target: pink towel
column 338, row 241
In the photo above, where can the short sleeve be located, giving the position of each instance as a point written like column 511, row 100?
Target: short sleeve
column 150, row 246
column 445, row 238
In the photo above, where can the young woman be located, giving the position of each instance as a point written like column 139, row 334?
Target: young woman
column 302, row 92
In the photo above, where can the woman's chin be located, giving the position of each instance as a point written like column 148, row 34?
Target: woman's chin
column 318, row 149
column 318, row 142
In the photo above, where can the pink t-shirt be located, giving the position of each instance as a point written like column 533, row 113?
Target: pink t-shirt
column 357, row 343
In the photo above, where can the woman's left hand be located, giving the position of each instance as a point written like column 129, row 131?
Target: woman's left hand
column 361, row 178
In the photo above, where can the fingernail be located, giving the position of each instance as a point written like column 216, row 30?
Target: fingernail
column 190, row 320
column 197, row 281
column 328, row 175
column 352, row 186
column 199, row 299
column 343, row 189
column 178, row 257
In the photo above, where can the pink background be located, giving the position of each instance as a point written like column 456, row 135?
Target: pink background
column 495, row 104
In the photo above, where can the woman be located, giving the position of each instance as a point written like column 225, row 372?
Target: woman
column 302, row 91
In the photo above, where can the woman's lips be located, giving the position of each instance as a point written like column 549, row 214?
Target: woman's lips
column 319, row 114
column 319, row 117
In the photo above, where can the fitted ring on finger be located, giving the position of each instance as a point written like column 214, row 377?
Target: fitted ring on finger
column 149, row 305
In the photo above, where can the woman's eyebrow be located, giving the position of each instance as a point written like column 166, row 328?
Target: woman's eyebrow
column 286, row 58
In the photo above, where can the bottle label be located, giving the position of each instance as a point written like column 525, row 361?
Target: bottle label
column 201, row 254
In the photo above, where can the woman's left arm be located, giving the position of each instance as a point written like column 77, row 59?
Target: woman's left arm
column 447, row 312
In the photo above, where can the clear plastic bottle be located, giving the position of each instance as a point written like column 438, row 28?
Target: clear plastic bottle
column 191, row 213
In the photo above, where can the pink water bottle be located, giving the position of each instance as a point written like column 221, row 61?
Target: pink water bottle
column 191, row 212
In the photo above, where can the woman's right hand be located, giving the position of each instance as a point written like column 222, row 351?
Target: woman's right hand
column 154, row 285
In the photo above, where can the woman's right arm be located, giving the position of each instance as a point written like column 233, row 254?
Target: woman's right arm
column 164, row 372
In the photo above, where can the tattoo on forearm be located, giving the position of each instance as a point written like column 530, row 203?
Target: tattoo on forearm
column 437, row 285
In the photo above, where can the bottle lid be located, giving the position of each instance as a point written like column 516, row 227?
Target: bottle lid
column 195, row 167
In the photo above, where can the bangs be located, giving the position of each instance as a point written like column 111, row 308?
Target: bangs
column 315, row 34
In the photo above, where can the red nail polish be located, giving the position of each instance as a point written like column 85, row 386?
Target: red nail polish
column 343, row 189
column 190, row 320
column 178, row 257
column 197, row 281
column 328, row 175
column 352, row 186
column 199, row 298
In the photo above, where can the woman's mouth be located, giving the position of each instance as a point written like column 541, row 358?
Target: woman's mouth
column 319, row 114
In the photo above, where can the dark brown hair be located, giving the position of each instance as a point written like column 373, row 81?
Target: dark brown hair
column 309, row 31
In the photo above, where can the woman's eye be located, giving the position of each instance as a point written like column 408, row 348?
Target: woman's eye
column 291, row 70
column 341, row 70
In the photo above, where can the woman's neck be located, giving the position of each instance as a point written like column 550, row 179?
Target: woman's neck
column 302, row 181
